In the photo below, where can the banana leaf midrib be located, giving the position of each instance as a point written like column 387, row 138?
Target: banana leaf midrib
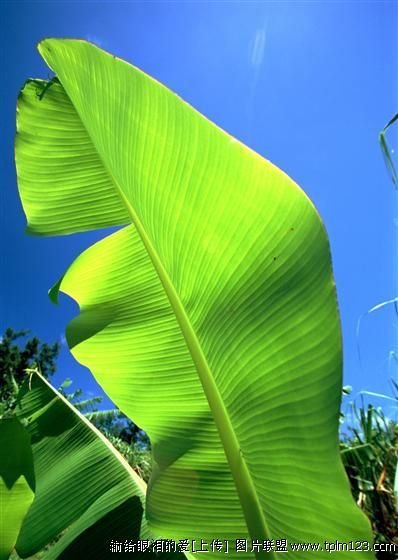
column 250, row 503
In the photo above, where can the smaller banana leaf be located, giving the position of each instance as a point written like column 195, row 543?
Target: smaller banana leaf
column 17, row 482
column 88, row 498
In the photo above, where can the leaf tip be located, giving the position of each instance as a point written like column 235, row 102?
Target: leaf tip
column 53, row 292
column 46, row 48
column 44, row 44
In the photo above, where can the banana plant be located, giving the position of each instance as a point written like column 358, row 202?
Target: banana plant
column 88, row 501
column 17, row 482
column 209, row 317
column 85, row 492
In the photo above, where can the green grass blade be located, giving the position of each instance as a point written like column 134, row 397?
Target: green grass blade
column 385, row 150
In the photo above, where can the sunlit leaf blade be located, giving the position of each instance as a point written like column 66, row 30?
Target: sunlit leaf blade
column 81, row 481
column 212, row 319
column 109, row 516
column 72, row 179
column 17, row 482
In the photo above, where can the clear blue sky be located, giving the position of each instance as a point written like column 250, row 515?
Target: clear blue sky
column 309, row 85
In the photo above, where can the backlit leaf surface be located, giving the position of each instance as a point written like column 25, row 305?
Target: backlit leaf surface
column 211, row 319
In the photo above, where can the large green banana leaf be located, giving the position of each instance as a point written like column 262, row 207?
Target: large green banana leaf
column 86, row 492
column 17, row 482
column 211, row 319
